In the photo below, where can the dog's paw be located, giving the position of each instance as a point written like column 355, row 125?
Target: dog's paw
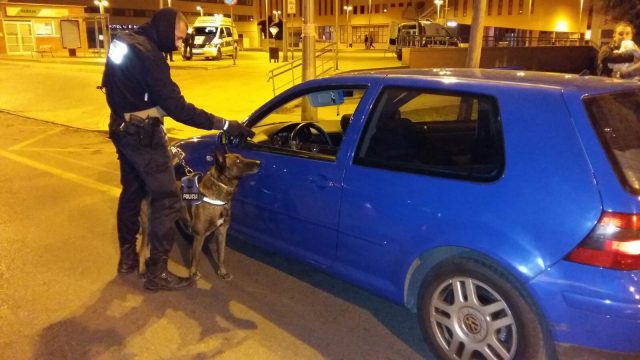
column 195, row 275
column 224, row 275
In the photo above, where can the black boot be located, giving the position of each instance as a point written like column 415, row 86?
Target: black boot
column 128, row 262
column 160, row 278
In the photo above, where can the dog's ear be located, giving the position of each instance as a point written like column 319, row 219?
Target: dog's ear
column 221, row 162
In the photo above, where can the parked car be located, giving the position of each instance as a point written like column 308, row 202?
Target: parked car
column 502, row 206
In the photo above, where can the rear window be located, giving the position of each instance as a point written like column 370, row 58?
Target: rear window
column 616, row 117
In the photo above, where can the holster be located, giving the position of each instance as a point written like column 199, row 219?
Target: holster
column 143, row 128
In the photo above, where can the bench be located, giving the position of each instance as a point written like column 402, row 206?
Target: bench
column 43, row 49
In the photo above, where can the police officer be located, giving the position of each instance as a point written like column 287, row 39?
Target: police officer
column 140, row 92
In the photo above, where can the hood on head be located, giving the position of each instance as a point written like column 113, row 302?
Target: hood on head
column 161, row 29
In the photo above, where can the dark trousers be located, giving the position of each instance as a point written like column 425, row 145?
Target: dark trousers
column 146, row 171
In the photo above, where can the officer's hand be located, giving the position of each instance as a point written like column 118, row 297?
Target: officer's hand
column 234, row 128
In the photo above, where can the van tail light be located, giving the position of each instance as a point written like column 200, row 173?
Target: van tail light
column 614, row 243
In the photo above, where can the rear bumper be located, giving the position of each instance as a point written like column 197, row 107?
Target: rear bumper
column 604, row 314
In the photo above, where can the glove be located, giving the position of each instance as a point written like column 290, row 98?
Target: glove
column 236, row 129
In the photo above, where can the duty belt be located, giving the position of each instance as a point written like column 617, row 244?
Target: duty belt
column 154, row 112
column 143, row 124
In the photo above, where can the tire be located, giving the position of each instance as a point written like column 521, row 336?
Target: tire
column 399, row 55
column 457, row 324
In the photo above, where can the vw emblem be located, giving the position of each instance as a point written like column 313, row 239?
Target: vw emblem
column 471, row 323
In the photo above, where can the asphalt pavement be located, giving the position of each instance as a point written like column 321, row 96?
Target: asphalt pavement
column 62, row 89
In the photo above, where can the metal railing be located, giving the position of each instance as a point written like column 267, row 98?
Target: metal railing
column 527, row 41
column 292, row 71
column 427, row 41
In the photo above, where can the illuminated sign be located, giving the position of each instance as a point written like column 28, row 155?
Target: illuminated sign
column 32, row 11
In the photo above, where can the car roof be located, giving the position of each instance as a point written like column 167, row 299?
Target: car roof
column 583, row 84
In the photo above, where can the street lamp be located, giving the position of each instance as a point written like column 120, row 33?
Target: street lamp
column 201, row 11
column 105, row 38
column 438, row 3
column 348, row 8
column 276, row 17
column 369, row 19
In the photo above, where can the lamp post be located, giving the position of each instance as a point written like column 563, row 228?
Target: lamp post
column 438, row 3
column 348, row 8
column 201, row 11
column 105, row 38
column 369, row 20
column 276, row 17
column 285, row 35
column 266, row 23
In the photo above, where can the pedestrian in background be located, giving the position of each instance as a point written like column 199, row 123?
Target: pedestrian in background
column 610, row 54
column 366, row 41
column 140, row 92
column 168, row 56
column 371, row 42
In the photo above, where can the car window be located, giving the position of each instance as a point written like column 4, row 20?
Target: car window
column 311, row 124
column 452, row 135
column 616, row 119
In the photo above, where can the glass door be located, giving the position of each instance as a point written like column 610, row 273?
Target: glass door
column 19, row 37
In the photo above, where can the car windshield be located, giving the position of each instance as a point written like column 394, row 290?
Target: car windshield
column 205, row 30
column 616, row 117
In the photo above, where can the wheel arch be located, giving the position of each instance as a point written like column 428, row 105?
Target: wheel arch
column 432, row 257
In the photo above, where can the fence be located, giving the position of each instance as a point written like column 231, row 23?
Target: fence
column 289, row 74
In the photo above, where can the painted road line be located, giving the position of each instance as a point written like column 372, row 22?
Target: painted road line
column 81, row 163
column 90, row 183
column 32, row 140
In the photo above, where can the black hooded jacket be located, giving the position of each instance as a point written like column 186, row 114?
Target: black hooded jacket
column 137, row 77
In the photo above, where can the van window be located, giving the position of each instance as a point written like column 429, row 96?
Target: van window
column 615, row 118
column 227, row 31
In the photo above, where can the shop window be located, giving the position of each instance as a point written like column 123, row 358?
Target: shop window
column 44, row 28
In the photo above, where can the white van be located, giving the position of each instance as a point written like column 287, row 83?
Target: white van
column 423, row 33
column 211, row 37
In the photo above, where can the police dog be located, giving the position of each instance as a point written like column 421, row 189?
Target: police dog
column 206, row 218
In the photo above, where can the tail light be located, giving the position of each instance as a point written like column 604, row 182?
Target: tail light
column 614, row 243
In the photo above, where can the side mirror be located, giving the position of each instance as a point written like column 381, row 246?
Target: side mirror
column 392, row 41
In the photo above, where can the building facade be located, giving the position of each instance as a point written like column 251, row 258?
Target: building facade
column 507, row 22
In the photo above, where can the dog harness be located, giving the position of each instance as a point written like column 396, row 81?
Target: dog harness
column 191, row 191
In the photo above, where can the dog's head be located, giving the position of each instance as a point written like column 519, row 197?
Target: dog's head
column 234, row 166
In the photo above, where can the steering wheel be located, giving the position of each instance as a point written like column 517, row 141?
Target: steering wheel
column 307, row 126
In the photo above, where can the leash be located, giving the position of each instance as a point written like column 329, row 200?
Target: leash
column 180, row 155
column 190, row 189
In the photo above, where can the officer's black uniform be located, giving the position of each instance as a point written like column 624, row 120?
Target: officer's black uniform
column 136, row 78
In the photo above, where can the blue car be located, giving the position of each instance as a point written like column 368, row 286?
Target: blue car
column 503, row 207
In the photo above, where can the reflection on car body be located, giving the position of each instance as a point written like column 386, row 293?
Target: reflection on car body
column 499, row 205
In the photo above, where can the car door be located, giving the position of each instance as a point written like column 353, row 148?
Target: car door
column 293, row 203
column 420, row 150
